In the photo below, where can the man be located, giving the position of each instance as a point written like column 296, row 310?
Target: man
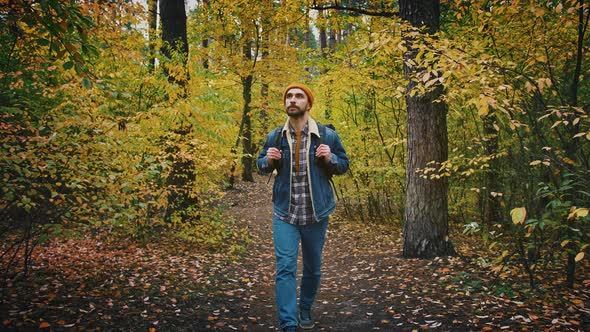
column 305, row 155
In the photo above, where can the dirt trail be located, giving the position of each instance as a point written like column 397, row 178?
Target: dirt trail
column 346, row 301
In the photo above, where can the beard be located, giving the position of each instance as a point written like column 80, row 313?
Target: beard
column 295, row 112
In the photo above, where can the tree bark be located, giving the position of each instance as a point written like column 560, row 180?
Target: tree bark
column 426, row 209
column 247, row 146
column 174, row 38
column 323, row 34
column 332, row 39
column 173, row 18
column 571, row 147
column 247, row 158
column 205, row 41
column 152, row 31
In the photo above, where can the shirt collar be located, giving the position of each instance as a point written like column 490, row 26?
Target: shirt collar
column 305, row 130
column 312, row 127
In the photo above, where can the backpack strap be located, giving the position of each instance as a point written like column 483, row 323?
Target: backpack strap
column 277, row 140
column 322, row 140
column 322, row 130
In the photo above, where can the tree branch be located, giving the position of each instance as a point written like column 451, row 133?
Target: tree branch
column 361, row 11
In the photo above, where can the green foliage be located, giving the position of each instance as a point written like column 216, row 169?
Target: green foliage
column 468, row 282
column 569, row 223
column 538, row 242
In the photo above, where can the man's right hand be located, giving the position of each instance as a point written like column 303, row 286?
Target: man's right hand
column 273, row 154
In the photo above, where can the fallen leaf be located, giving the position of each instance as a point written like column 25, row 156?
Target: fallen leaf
column 578, row 302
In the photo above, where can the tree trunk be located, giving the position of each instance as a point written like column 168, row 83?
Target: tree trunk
column 205, row 41
column 323, row 41
column 153, row 30
column 323, row 34
column 426, row 209
column 265, row 53
column 332, row 39
column 571, row 147
column 173, row 18
column 247, row 157
column 265, row 107
column 181, row 179
column 307, row 34
column 247, row 146
column 491, row 210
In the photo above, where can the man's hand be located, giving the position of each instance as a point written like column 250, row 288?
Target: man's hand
column 323, row 152
column 273, row 154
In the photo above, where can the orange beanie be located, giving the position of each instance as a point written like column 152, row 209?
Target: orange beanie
column 302, row 87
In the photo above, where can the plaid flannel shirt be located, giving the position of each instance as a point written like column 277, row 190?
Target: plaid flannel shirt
column 300, row 210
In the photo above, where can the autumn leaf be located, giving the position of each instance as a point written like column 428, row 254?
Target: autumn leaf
column 577, row 213
column 518, row 215
column 577, row 302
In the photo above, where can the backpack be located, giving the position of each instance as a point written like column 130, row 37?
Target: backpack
column 278, row 140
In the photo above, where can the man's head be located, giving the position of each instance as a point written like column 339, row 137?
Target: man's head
column 298, row 99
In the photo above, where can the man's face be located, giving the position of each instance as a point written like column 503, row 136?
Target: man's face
column 296, row 102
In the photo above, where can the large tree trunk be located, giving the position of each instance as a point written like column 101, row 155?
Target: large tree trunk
column 426, row 210
column 181, row 178
column 173, row 18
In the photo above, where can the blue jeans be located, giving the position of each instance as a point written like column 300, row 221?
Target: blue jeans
column 286, row 239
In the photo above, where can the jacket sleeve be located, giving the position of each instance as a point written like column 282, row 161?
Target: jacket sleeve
column 262, row 161
column 338, row 164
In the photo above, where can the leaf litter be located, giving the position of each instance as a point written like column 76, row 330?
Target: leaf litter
column 94, row 284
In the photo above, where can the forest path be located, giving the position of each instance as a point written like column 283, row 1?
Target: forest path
column 97, row 282
column 349, row 298
column 366, row 285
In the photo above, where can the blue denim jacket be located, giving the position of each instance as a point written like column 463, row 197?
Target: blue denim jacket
column 319, row 172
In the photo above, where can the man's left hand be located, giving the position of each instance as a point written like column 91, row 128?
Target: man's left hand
column 323, row 151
